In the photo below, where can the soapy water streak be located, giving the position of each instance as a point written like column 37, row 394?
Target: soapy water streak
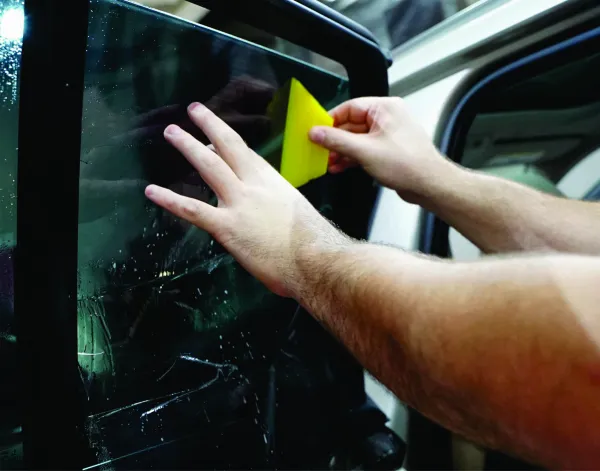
column 178, row 396
column 174, row 397
column 90, row 354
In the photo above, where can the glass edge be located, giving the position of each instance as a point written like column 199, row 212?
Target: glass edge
column 230, row 36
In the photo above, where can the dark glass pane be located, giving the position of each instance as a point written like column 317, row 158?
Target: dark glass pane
column 11, row 32
column 175, row 340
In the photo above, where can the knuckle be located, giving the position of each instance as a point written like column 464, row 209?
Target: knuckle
column 225, row 232
column 190, row 150
column 211, row 164
column 385, row 114
column 186, row 142
column 190, row 210
column 325, row 137
column 330, row 138
column 231, row 139
column 172, row 206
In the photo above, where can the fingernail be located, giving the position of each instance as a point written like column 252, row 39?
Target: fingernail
column 172, row 130
column 149, row 190
column 195, row 107
column 317, row 135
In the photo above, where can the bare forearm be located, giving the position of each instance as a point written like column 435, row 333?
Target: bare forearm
column 498, row 215
column 500, row 351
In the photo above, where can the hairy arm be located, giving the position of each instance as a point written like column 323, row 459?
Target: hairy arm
column 500, row 351
column 498, row 215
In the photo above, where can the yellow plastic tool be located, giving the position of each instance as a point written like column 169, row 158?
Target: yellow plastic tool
column 301, row 160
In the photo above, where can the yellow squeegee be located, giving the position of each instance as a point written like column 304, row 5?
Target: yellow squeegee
column 294, row 111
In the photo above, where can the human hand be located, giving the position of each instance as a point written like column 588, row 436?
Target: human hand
column 380, row 135
column 107, row 177
column 262, row 220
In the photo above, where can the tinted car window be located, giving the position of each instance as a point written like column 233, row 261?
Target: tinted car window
column 175, row 339
column 11, row 30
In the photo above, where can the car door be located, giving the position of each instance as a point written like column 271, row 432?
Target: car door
column 138, row 341
column 502, row 65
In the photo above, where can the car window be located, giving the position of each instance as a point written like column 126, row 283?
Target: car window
column 11, row 30
column 174, row 337
column 393, row 22
column 541, row 131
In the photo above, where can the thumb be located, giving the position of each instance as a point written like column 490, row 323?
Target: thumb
column 348, row 144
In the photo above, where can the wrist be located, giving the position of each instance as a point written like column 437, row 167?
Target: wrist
column 314, row 260
column 439, row 184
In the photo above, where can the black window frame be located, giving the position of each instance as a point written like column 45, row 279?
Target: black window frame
column 50, row 113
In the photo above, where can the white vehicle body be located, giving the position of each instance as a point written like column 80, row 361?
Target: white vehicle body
column 432, row 73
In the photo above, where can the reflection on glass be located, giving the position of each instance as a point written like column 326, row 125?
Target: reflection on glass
column 11, row 31
column 12, row 24
column 394, row 22
column 175, row 339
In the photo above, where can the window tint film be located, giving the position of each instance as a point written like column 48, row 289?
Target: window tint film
column 11, row 32
column 175, row 339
